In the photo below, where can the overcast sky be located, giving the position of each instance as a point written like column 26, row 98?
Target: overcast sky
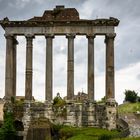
column 127, row 48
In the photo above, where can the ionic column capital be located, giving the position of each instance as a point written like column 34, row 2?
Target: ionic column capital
column 49, row 36
column 9, row 36
column 70, row 36
column 90, row 36
column 29, row 36
column 110, row 35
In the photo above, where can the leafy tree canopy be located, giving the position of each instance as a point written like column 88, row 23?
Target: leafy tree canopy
column 131, row 96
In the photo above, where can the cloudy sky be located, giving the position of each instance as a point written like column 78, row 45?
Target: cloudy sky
column 127, row 48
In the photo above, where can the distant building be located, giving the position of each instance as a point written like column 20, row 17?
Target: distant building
column 23, row 98
column 81, row 96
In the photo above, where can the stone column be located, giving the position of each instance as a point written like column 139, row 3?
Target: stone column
column 70, row 67
column 29, row 67
column 110, row 89
column 15, row 63
column 49, row 67
column 9, row 67
column 91, row 67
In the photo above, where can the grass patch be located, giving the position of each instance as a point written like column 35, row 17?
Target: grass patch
column 129, row 108
column 138, row 138
column 74, row 133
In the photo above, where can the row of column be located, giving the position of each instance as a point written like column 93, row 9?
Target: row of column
column 10, row 81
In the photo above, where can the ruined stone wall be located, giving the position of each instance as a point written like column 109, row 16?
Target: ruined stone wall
column 74, row 114
column 87, row 114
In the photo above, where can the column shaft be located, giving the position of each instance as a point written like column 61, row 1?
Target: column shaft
column 29, row 67
column 110, row 88
column 9, row 67
column 49, row 67
column 91, row 67
column 70, row 67
column 15, row 63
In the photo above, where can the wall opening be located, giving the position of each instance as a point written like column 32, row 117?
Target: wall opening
column 39, row 60
column 80, row 64
column 99, row 56
column 60, row 66
column 21, row 61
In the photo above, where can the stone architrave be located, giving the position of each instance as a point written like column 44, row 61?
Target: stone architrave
column 49, row 67
column 9, row 74
column 110, row 85
column 91, row 67
column 70, row 67
column 29, row 67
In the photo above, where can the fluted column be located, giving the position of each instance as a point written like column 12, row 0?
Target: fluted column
column 9, row 67
column 29, row 67
column 70, row 67
column 49, row 67
column 110, row 89
column 91, row 67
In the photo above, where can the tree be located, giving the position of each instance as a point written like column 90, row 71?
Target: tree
column 58, row 101
column 8, row 132
column 138, row 98
column 131, row 96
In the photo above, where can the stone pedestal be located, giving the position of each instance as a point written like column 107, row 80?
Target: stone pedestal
column 91, row 114
column 111, row 114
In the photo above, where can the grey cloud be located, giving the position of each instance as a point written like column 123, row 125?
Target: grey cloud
column 138, row 77
column 20, row 9
column 58, row 50
column 127, row 11
column 128, row 32
column 127, row 49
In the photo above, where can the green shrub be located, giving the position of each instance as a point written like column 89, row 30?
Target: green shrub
column 105, row 137
column 66, row 132
column 8, row 132
column 59, row 106
column 58, row 101
column 13, row 99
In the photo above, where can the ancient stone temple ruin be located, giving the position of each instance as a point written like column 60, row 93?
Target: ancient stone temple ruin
column 65, row 22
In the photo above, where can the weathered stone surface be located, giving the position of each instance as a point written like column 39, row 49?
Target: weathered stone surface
column 9, row 73
column 70, row 67
column 91, row 67
column 57, row 14
column 39, row 129
column 37, row 117
column 1, row 110
column 61, row 21
column 133, row 121
column 110, row 83
column 49, row 67
column 29, row 67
